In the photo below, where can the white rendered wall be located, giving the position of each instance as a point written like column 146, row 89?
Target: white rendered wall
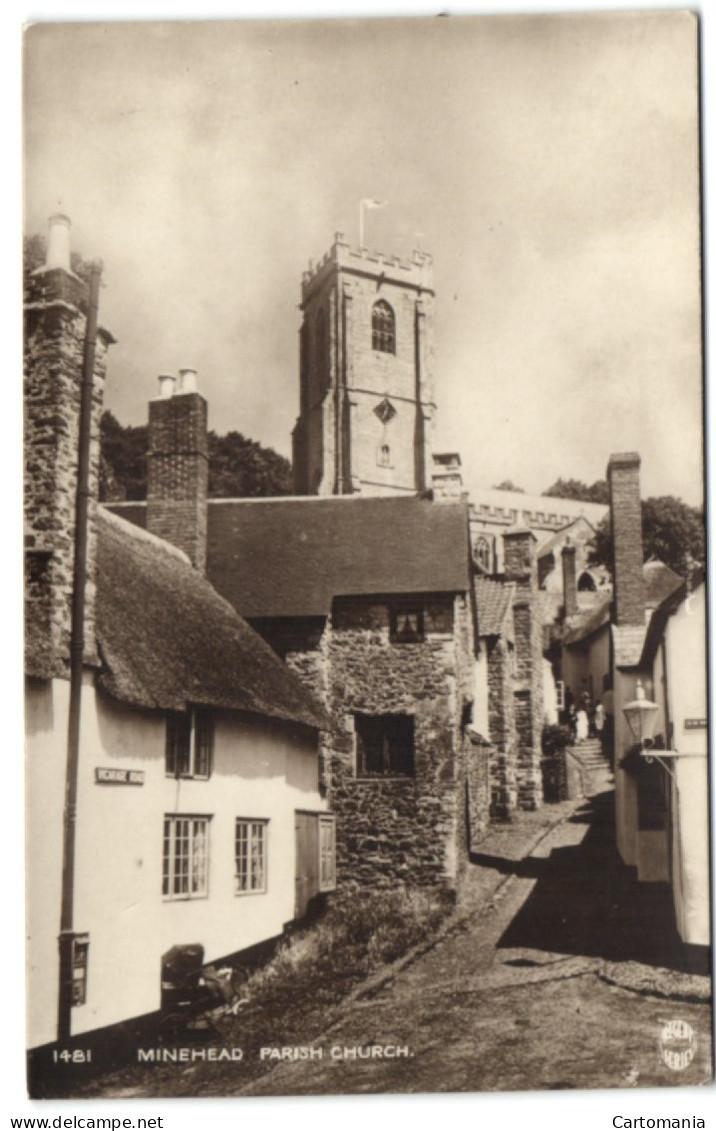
column 261, row 770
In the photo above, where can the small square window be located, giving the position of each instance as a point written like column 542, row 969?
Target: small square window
column 385, row 745
column 406, row 625
column 189, row 744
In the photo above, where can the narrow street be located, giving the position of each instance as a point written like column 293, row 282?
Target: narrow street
column 559, row 971
column 532, row 991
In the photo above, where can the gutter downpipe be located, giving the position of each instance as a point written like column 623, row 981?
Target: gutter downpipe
column 77, row 642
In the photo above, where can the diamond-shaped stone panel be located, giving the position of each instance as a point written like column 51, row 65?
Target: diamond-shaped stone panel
column 384, row 411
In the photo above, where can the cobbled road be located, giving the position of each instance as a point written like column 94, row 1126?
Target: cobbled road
column 514, row 999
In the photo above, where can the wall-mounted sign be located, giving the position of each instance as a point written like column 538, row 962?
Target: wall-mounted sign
column 118, row 777
column 695, row 724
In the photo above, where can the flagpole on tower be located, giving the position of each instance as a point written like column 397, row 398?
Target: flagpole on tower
column 361, row 220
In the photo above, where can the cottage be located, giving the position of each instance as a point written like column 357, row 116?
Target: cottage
column 194, row 811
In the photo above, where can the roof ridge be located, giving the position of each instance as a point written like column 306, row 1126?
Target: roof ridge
column 141, row 535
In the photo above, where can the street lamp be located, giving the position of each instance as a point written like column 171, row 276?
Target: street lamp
column 641, row 714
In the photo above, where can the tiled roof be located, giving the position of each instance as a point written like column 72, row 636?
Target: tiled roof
column 494, row 601
column 167, row 639
column 290, row 557
column 628, row 644
column 553, row 540
column 583, row 624
column 660, row 582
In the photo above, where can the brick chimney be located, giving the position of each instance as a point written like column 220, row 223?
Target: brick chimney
column 569, row 578
column 55, row 328
column 178, row 471
column 628, row 548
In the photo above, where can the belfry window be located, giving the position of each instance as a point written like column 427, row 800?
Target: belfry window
column 383, row 327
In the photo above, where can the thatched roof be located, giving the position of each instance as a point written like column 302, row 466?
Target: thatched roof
column 168, row 640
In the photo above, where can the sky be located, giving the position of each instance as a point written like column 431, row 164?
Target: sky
column 548, row 163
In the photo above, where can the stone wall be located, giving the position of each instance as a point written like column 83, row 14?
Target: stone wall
column 55, row 323
column 521, row 568
column 398, row 829
column 501, row 706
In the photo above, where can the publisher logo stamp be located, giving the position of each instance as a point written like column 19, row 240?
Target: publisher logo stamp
column 677, row 1044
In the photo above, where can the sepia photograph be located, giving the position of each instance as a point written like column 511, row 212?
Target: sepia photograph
column 365, row 618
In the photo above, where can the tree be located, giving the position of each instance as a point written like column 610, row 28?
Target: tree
column 242, row 469
column 508, row 485
column 123, row 460
column 672, row 530
column 238, row 467
column 575, row 489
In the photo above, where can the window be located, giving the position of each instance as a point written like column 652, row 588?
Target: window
column 383, row 324
column 483, row 554
column 384, row 455
column 190, row 744
column 406, row 625
column 185, row 871
column 326, row 853
column 384, row 745
column 250, row 855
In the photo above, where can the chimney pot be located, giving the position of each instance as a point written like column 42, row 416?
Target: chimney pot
column 58, row 242
column 187, row 381
column 167, row 382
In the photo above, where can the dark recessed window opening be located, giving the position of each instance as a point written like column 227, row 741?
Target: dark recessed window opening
column 383, row 324
column 189, row 744
column 385, row 745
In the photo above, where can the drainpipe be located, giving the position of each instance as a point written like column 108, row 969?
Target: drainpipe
column 77, row 643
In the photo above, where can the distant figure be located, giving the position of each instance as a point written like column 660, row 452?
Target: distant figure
column 572, row 722
column 582, row 724
column 598, row 719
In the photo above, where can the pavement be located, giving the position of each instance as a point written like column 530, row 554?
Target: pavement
column 554, row 947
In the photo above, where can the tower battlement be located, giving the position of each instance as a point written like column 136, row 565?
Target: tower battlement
column 416, row 272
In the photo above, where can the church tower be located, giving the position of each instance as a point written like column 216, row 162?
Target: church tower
column 366, row 371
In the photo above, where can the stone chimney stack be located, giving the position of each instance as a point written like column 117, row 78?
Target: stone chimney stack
column 569, row 579
column 521, row 569
column 55, row 328
column 178, row 466
column 628, row 565
column 446, row 479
